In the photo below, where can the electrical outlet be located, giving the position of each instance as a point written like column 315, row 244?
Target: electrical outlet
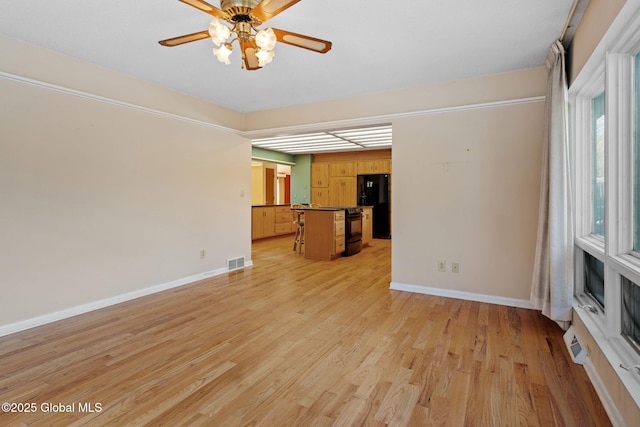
column 203, row 253
column 442, row 266
column 455, row 267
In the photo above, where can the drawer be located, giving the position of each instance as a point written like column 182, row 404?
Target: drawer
column 283, row 209
column 283, row 217
column 339, row 216
column 339, row 245
column 283, row 228
column 339, row 227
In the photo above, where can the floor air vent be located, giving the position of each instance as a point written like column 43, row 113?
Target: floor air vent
column 235, row 263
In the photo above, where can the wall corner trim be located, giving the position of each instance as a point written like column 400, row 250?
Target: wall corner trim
column 448, row 293
column 96, row 305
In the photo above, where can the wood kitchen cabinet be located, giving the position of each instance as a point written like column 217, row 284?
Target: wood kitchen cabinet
column 340, row 169
column 263, row 222
column 324, row 234
column 334, row 175
column 320, row 175
column 343, row 191
column 374, row 166
column 367, row 225
column 269, row 221
column 320, row 195
column 283, row 220
column 320, row 183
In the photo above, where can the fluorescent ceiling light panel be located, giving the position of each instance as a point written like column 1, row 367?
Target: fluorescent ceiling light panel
column 333, row 140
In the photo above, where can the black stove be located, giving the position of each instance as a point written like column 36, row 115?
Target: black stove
column 352, row 231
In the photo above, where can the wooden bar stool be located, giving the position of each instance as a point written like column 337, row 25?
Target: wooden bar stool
column 299, row 223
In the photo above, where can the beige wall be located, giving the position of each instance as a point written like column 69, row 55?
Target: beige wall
column 373, row 107
column 46, row 66
column 100, row 199
column 257, row 185
column 595, row 22
column 466, row 188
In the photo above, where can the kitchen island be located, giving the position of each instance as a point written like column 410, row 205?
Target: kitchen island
column 324, row 233
column 331, row 232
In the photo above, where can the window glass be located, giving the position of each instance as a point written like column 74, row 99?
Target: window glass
column 631, row 312
column 594, row 279
column 597, row 144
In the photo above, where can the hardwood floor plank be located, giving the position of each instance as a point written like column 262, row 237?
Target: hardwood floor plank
column 397, row 406
column 293, row 341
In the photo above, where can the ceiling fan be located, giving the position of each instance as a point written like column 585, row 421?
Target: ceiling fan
column 245, row 16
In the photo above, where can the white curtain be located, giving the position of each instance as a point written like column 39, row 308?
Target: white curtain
column 552, row 282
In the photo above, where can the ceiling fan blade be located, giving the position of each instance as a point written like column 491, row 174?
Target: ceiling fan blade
column 184, row 39
column 300, row 40
column 249, row 57
column 207, row 8
column 267, row 9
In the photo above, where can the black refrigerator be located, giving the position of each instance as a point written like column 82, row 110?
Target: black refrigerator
column 373, row 190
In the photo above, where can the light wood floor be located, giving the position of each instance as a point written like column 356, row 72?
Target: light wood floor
column 295, row 342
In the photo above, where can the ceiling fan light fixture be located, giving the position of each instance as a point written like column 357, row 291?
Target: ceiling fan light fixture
column 244, row 17
column 218, row 32
column 264, row 57
column 266, row 39
column 223, row 53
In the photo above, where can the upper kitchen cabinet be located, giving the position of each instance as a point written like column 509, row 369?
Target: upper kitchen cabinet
column 343, row 191
column 320, row 195
column 320, row 175
column 370, row 167
column 343, row 169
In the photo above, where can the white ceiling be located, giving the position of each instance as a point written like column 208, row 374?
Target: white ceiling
column 377, row 45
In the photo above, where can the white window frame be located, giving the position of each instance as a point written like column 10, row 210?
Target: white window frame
column 586, row 241
column 610, row 67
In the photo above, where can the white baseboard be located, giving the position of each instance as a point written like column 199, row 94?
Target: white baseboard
column 96, row 305
column 492, row 299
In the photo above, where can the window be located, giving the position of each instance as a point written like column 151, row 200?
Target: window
column 594, row 279
column 631, row 313
column 605, row 133
column 597, row 145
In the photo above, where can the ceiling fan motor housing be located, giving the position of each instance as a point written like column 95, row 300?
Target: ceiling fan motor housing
column 239, row 10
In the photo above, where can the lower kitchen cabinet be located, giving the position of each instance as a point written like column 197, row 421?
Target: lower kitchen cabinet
column 284, row 220
column 269, row 221
column 263, row 222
